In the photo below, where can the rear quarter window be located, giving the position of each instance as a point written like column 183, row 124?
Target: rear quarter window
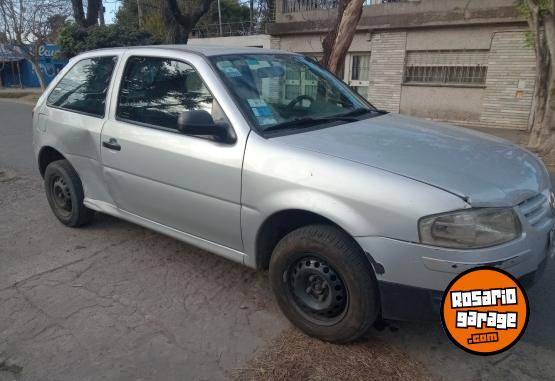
column 84, row 87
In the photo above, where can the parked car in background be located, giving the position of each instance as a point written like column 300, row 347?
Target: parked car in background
column 357, row 213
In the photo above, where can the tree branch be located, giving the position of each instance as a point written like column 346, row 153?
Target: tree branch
column 188, row 20
column 200, row 11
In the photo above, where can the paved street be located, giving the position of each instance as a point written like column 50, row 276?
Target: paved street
column 116, row 301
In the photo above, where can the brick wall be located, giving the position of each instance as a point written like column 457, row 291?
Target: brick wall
column 386, row 69
column 510, row 81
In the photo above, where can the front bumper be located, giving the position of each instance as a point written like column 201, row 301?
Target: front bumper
column 412, row 277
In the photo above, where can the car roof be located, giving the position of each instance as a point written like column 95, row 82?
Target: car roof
column 207, row 51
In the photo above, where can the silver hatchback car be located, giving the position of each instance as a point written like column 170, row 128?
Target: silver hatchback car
column 267, row 159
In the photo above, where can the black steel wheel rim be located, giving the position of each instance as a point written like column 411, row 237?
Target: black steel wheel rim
column 317, row 290
column 61, row 196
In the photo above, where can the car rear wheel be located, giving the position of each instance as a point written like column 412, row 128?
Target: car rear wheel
column 64, row 192
column 323, row 283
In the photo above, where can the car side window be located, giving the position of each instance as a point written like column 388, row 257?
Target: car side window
column 155, row 90
column 84, row 87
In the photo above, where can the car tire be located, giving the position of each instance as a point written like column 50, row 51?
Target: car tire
column 324, row 284
column 64, row 192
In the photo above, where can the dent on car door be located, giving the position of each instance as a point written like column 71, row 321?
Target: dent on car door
column 188, row 183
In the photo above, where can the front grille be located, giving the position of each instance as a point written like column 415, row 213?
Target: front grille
column 536, row 210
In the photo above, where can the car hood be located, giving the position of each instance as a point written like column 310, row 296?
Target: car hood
column 482, row 169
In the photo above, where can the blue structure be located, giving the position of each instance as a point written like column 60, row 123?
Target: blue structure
column 16, row 71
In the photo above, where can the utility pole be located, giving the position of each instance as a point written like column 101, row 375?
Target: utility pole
column 140, row 13
column 219, row 17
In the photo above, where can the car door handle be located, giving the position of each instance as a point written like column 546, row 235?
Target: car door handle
column 112, row 144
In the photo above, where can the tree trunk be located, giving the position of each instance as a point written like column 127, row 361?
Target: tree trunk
column 537, row 112
column 549, row 25
column 542, row 112
column 172, row 33
column 93, row 11
column 338, row 40
column 32, row 54
column 38, row 72
column 78, row 13
column 547, row 129
column 185, row 22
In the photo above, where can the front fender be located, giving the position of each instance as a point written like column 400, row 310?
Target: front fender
column 362, row 200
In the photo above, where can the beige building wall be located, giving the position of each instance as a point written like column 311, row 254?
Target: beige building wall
column 312, row 43
column 458, row 105
column 504, row 101
column 510, row 81
column 506, row 98
column 387, row 60
column 453, row 38
column 256, row 40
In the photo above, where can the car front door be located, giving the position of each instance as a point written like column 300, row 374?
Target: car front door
column 188, row 183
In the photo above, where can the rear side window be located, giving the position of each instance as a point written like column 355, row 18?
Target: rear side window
column 155, row 90
column 84, row 87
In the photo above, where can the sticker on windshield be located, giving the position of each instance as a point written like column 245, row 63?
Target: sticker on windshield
column 257, row 102
column 230, row 71
column 262, row 111
column 266, row 120
column 256, row 64
column 223, row 64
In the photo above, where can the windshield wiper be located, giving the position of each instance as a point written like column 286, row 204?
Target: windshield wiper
column 296, row 123
column 357, row 112
column 305, row 122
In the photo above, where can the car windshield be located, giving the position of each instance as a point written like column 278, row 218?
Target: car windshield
column 284, row 90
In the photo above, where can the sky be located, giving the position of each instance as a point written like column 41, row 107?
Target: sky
column 111, row 7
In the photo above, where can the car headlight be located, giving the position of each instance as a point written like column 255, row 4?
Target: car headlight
column 471, row 228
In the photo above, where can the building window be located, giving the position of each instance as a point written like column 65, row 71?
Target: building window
column 359, row 66
column 359, row 73
column 446, row 67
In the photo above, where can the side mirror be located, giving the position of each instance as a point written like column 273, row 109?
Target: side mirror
column 200, row 122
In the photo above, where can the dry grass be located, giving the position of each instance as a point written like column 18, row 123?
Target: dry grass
column 295, row 356
column 28, row 97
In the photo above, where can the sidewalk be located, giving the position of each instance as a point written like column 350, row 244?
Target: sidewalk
column 25, row 95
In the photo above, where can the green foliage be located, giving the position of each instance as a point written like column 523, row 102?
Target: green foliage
column 522, row 6
column 545, row 7
column 127, row 15
column 75, row 39
column 232, row 11
column 154, row 24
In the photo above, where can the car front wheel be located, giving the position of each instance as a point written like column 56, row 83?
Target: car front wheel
column 323, row 283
